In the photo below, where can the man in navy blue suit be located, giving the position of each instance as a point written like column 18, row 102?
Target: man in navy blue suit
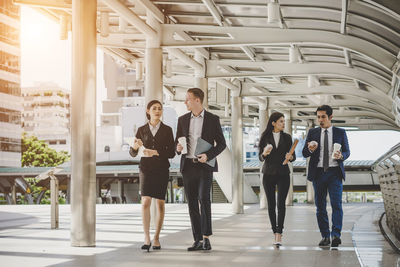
column 326, row 171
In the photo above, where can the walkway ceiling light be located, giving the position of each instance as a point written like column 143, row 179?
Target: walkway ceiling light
column 313, row 81
column 168, row 68
column 139, row 71
column 104, row 24
column 274, row 13
column 63, row 27
column 294, row 54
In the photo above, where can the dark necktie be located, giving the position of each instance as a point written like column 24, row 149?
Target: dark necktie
column 325, row 161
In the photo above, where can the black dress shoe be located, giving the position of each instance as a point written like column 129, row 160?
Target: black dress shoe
column 336, row 241
column 157, row 247
column 197, row 245
column 206, row 244
column 146, row 247
column 325, row 242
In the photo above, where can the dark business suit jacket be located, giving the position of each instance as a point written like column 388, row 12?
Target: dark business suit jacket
column 273, row 161
column 163, row 142
column 211, row 132
column 339, row 136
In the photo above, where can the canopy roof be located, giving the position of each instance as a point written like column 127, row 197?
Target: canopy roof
column 288, row 55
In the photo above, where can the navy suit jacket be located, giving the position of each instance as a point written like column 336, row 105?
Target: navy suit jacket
column 339, row 136
column 211, row 132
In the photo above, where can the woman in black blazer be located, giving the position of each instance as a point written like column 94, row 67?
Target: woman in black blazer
column 273, row 149
column 158, row 144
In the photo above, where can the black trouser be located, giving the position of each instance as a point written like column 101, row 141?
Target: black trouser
column 197, row 182
column 270, row 182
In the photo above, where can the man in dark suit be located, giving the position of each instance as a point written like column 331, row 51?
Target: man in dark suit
column 326, row 171
column 197, row 174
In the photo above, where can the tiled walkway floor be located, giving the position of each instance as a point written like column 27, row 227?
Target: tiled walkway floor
column 239, row 240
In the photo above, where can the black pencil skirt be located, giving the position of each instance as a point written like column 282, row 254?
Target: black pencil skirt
column 154, row 183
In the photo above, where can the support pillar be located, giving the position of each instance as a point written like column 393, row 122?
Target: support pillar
column 263, row 119
column 289, row 130
column 153, row 63
column 309, row 185
column 68, row 196
column 14, row 194
column 54, row 202
column 153, row 87
column 83, row 124
column 200, row 81
column 237, row 153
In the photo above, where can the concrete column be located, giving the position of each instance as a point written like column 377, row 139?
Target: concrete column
column 120, row 190
column 153, row 63
column 83, row 124
column 54, row 202
column 68, row 196
column 14, row 194
column 309, row 185
column 263, row 118
column 289, row 130
column 237, row 153
column 153, row 87
column 200, row 81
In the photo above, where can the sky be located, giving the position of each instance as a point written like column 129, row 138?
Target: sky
column 44, row 57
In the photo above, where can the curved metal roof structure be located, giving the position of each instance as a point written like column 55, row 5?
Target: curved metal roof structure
column 288, row 55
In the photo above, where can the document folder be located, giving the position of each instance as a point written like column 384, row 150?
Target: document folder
column 203, row 146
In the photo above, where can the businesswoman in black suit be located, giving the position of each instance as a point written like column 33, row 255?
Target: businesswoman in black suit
column 273, row 150
column 158, row 142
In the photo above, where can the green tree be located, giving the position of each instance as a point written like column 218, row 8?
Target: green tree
column 37, row 153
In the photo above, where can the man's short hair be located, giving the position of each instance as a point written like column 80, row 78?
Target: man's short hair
column 197, row 92
column 325, row 108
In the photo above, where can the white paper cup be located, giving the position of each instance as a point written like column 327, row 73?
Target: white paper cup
column 313, row 143
column 336, row 148
column 182, row 141
column 268, row 148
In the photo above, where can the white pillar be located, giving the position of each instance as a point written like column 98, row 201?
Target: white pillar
column 309, row 185
column 153, row 88
column 54, row 202
column 153, row 63
column 14, row 194
column 237, row 153
column 263, row 118
column 288, row 126
column 200, row 81
column 83, row 123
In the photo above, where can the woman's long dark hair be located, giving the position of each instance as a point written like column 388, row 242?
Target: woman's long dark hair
column 151, row 103
column 273, row 118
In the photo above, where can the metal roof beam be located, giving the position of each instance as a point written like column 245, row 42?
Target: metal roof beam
column 288, row 69
column 248, row 36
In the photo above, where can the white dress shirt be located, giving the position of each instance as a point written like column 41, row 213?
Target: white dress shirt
column 332, row 162
column 195, row 128
column 154, row 129
column 276, row 138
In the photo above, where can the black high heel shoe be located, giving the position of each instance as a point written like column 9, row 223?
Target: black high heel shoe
column 146, row 247
column 157, row 247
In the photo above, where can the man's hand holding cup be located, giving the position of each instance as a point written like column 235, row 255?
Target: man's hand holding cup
column 181, row 147
column 312, row 146
column 337, row 154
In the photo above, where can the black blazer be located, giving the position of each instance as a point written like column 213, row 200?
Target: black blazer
column 163, row 142
column 338, row 136
column 211, row 132
column 273, row 161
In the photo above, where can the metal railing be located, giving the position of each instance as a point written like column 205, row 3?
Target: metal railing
column 388, row 169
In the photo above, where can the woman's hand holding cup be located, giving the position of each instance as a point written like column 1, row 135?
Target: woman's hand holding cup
column 138, row 143
column 267, row 150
